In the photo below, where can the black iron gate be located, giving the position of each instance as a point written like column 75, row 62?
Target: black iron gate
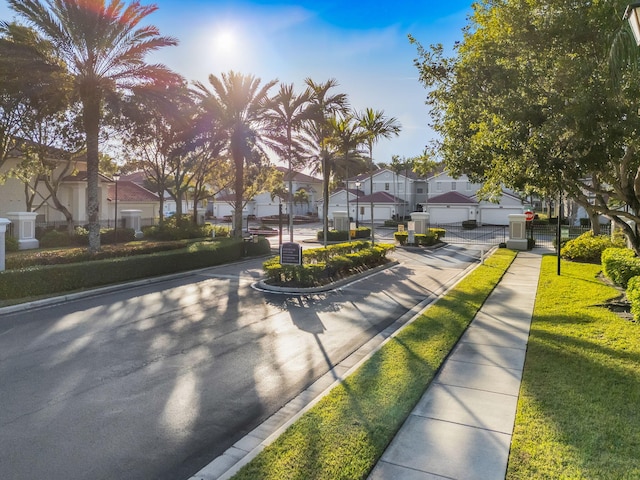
column 484, row 235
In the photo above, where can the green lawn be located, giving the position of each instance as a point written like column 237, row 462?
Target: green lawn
column 344, row 435
column 579, row 409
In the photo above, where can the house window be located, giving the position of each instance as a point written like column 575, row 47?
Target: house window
column 420, row 190
column 468, row 186
column 386, row 187
column 438, row 186
column 453, row 186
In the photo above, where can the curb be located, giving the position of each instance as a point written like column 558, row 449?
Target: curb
column 265, row 287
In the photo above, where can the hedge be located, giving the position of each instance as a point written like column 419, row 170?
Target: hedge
column 52, row 279
column 588, row 247
column 322, row 265
column 343, row 235
column 633, row 295
column 427, row 239
column 620, row 265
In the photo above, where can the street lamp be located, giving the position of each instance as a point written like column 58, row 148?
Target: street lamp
column 357, row 202
column 116, row 177
column 632, row 14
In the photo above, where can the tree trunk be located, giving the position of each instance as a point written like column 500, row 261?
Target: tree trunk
column 60, row 207
column 91, row 122
column 594, row 217
column 371, row 168
column 325, row 204
column 238, row 160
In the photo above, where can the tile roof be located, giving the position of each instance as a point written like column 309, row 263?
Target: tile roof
column 299, row 177
column 452, row 198
column 130, row 192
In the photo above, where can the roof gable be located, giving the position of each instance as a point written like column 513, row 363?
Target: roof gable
column 452, row 198
column 131, row 192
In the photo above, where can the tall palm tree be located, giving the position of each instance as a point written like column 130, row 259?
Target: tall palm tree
column 236, row 102
column 377, row 126
column 347, row 136
column 103, row 49
column 323, row 106
column 287, row 112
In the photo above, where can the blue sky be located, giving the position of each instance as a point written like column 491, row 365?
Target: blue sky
column 362, row 44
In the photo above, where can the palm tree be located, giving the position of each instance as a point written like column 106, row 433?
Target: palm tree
column 287, row 112
column 236, row 103
column 347, row 136
column 323, row 106
column 377, row 127
column 103, row 49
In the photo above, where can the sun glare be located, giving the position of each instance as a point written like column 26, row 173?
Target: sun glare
column 225, row 40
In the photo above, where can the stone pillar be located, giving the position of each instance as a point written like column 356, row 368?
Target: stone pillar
column 421, row 220
column 3, row 229
column 24, row 230
column 517, row 232
column 131, row 219
column 341, row 221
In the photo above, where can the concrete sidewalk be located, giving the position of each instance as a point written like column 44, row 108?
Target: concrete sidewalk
column 462, row 426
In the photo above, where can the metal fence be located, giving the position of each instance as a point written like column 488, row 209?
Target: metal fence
column 62, row 225
column 484, row 235
column 546, row 235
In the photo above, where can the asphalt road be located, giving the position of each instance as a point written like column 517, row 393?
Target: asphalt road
column 155, row 381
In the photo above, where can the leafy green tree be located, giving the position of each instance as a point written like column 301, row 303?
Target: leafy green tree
column 531, row 100
column 301, row 197
column 347, row 136
column 158, row 137
column 286, row 113
column 102, row 47
column 36, row 104
column 235, row 102
column 377, row 126
column 33, row 88
column 324, row 105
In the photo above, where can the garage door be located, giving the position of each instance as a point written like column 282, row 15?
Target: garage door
column 448, row 214
column 380, row 213
column 497, row 216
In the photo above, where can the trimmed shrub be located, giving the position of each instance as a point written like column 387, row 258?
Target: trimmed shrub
column 261, row 247
column 633, row 295
column 108, row 235
column 11, row 244
column 333, row 236
column 48, row 279
column 321, row 265
column 588, row 247
column 438, row 232
column 179, row 228
column 424, row 239
column 55, row 238
column 363, row 232
column 620, row 265
column 401, row 237
column 469, row 224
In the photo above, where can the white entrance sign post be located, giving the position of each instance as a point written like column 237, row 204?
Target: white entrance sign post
column 3, row 229
column 517, row 232
column 24, row 229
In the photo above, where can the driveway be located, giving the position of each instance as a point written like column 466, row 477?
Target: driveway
column 155, row 381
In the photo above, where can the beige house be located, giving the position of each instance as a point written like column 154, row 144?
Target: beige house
column 72, row 194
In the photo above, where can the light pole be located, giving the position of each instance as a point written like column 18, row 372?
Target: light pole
column 632, row 14
column 357, row 203
column 116, row 177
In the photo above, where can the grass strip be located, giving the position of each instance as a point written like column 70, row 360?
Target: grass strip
column 344, row 435
column 579, row 408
